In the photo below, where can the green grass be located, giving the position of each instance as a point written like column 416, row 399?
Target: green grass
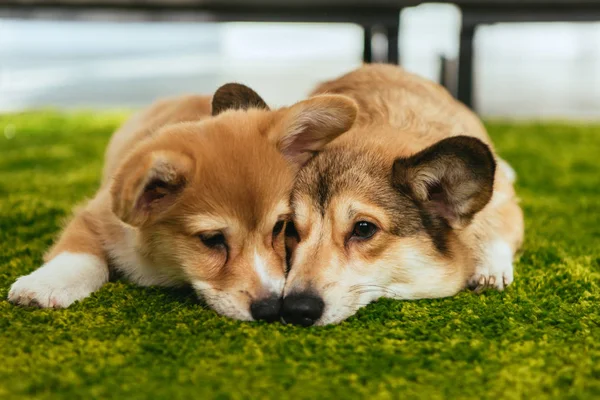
column 538, row 339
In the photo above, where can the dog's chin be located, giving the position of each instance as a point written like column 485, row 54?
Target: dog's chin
column 337, row 315
column 339, row 311
column 222, row 302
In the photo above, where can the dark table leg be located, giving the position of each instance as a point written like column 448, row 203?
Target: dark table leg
column 367, row 46
column 393, row 55
column 465, row 65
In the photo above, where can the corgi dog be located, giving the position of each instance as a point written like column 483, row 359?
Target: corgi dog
column 411, row 203
column 195, row 191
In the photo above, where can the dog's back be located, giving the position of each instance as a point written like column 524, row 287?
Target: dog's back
column 144, row 123
column 415, row 112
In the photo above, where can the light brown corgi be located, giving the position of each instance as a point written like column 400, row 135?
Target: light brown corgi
column 408, row 204
column 195, row 192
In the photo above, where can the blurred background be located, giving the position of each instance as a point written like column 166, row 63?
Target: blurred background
column 521, row 70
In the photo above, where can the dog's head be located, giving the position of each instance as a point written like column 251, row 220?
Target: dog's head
column 367, row 226
column 210, row 199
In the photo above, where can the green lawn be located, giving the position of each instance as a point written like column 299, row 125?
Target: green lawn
column 538, row 339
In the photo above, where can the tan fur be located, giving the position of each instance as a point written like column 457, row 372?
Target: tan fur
column 146, row 122
column 402, row 113
column 399, row 115
column 175, row 177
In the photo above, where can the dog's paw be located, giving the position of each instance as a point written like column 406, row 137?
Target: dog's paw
column 60, row 282
column 495, row 270
column 44, row 293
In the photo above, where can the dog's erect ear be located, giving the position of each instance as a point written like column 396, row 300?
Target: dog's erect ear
column 235, row 96
column 454, row 178
column 306, row 127
column 148, row 184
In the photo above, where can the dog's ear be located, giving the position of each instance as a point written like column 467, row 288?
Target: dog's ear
column 148, row 184
column 306, row 127
column 235, row 96
column 453, row 179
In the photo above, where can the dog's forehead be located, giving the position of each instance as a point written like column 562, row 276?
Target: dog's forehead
column 342, row 171
column 239, row 176
column 358, row 178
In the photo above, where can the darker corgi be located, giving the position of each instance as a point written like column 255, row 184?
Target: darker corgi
column 410, row 203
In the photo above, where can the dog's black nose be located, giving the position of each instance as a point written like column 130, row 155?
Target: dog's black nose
column 266, row 309
column 302, row 309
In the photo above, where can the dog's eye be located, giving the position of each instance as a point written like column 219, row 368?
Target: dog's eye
column 364, row 230
column 214, row 240
column 278, row 228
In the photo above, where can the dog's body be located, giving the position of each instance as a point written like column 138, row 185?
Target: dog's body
column 195, row 191
column 434, row 215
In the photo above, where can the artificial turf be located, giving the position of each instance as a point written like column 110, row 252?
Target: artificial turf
column 538, row 339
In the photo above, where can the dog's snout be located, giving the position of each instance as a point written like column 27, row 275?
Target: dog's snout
column 266, row 309
column 302, row 309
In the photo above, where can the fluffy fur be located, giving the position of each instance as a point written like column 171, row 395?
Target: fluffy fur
column 418, row 167
column 195, row 192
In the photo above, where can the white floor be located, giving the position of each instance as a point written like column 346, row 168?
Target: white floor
column 522, row 70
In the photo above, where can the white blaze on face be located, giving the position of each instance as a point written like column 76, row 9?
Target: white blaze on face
column 268, row 281
column 301, row 272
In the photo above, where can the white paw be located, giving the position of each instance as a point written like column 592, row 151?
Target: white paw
column 60, row 282
column 495, row 270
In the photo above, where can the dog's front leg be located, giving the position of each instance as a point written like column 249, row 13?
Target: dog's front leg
column 74, row 268
column 494, row 237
